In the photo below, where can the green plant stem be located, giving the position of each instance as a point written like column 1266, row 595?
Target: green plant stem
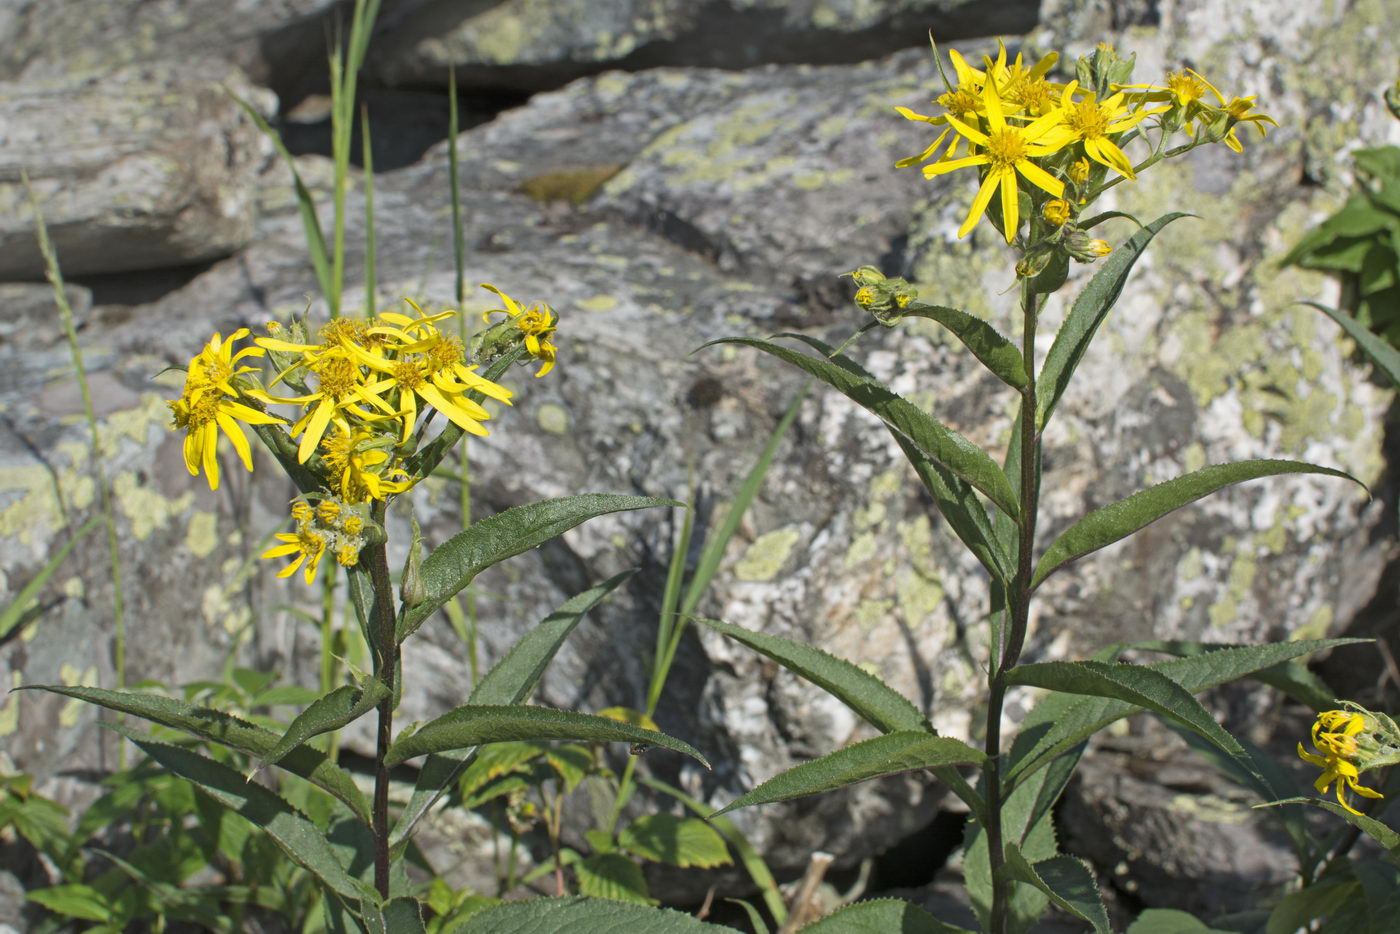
column 1018, row 601
column 386, row 666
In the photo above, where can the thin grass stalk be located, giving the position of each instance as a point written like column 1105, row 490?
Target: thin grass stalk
column 371, row 282
column 459, row 244
column 65, row 311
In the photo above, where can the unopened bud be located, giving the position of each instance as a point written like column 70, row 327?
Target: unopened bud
column 1056, row 211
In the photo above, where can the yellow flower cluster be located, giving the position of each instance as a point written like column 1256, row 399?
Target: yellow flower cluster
column 1334, row 735
column 365, row 392
column 1029, row 136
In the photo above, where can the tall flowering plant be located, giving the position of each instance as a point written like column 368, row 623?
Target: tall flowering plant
column 1041, row 148
column 356, row 416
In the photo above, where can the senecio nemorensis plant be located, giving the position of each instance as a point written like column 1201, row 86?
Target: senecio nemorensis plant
column 360, row 413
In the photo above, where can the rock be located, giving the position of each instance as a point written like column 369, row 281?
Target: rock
column 660, row 210
column 538, row 44
column 147, row 167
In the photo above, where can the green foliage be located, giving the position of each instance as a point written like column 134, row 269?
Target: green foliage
column 576, row 914
column 1361, row 243
column 881, row 916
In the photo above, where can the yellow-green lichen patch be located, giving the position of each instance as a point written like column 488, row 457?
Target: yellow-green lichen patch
column 599, row 303
column 1242, row 571
column 1317, row 625
column 145, row 508
column 871, row 613
column 919, row 597
column 572, row 186
column 869, row 515
column 765, row 557
column 72, row 677
column 863, row 547
column 31, row 503
column 200, row 533
column 9, row 709
column 552, row 418
column 499, row 35
column 134, row 423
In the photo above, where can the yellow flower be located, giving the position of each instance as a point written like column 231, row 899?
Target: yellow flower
column 306, row 543
column 1334, row 735
column 358, row 471
column 1056, row 211
column 1237, row 111
column 1091, row 123
column 1079, row 171
column 536, row 322
column 1006, row 150
column 210, row 404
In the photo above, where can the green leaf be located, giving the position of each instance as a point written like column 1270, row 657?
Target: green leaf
column 755, row 918
column 1296, row 909
column 18, row 610
column 1387, row 838
column 1086, row 314
column 881, row 916
column 940, row 443
column 1119, row 520
column 219, row 727
column 401, row 915
column 1384, row 356
column 1170, row 921
column 1061, row 721
column 300, row 838
column 454, row 563
column 1291, row 677
column 1067, row 881
column 331, row 712
column 74, row 901
column 679, row 841
column 885, row 708
column 578, row 914
column 749, row 858
column 474, row 724
column 612, row 875
column 891, row 754
column 996, row 352
column 510, row 681
column 1135, row 684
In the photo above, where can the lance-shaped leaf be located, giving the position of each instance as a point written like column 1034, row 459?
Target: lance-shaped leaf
column 891, row 754
column 454, row 563
column 1086, row 314
column 1134, row 684
column 474, row 724
column 956, row 500
column 331, row 712
column 402, row 915
column 881, row 705
column 986, row 343
column 219, row 727
column 300, row 838
column 510, row 681
column 1060, row 722
column 1067, row 881
column 939, row 442
column 881, row 916
column 1386, row 357
column 1119, row 520
column 577, row 913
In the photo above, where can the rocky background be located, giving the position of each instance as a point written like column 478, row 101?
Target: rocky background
column 664, row 173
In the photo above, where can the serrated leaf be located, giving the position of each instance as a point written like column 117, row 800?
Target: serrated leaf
column 1387, row 838
column 1170, row 921
column 1119, row 520
column 612, row 875
column 453, row 564
column 578, row 914
column 679, row 841
column 331, row 712
column 881, row 705
column 1086, row 314
column 996, row 352
column 74, row 901
column 891, row 754
column 219, row 727
column 1384, row 356
column 939, row 442
column 1066, row 881
column 1135, row 684
column 881, row 916
column 475, row 724
column 300, row 838
column 510, row 681
column 1036, row 839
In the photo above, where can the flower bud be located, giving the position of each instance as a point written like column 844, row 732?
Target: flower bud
column 1079, row 171
column 866, row 275
column 1056, row 211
